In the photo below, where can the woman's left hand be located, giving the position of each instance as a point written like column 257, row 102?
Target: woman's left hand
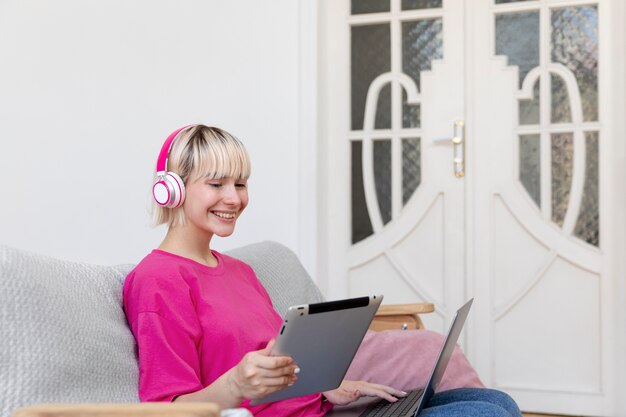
column 350, row 391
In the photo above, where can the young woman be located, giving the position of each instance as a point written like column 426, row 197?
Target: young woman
column 203, row 322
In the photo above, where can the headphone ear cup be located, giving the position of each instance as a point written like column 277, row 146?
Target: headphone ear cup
column 169, row 190
column 178, row 195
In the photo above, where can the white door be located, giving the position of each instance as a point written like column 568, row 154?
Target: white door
column 539, row 149
column 401, row 231
column 511, row 212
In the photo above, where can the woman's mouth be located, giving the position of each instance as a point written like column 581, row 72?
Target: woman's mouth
column 224, row 215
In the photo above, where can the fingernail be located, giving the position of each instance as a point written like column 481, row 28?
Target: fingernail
column 405, row 393
column 296, row 371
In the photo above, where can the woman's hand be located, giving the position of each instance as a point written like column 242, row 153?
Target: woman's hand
column 350, row 391
column 259, row 374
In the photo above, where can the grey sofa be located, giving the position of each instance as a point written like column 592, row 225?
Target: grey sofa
column 64, row 336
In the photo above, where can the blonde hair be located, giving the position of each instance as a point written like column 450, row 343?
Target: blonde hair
column 200, row 152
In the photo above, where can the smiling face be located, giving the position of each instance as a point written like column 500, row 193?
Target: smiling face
column 212, row 206
column 214, row 166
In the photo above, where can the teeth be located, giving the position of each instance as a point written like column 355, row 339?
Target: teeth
column 224, row 215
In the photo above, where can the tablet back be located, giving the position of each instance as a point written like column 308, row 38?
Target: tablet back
column 322, row 339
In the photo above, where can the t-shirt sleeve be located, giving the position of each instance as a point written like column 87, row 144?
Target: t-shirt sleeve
column 162, row 316
column 169, row 364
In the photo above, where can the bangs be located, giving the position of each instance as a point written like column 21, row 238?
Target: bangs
column 219, row 156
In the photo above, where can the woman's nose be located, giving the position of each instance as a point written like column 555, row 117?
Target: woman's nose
column 231, row 196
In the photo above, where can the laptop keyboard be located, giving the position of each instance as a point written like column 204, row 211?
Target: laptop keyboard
column 384, row 408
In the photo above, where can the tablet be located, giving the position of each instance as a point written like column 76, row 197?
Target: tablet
column 322, row 339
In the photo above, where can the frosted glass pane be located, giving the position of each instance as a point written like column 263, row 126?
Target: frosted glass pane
column 561, row 112
column 361, row 223
column 422, row 41
column 420, row 4
column 370, row 57
column 517, row 37
column 369, row 6
column 530, row 166
column 588, row 223
column 562, row 166
column 382, row 177
column 411, row 167
column 574, row 43
column 529, row 109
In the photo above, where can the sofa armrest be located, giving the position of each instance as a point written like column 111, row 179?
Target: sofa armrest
column 120, row 410
column 400, row 316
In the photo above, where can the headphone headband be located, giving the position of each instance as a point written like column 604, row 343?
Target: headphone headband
column 165, row 150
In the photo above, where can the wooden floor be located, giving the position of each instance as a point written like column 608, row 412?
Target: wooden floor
column 538, row 415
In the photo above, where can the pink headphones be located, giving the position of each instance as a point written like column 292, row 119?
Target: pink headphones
column 168, row 189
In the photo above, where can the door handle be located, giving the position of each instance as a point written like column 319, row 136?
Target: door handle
column 458, row 147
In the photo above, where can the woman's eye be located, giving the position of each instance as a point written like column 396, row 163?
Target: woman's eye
column 215, row 184
column 241, row 185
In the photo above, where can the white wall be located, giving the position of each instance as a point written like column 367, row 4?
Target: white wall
column 619, row 115
column 90, row 89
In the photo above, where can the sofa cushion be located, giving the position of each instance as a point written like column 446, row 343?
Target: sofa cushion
column 64, row 333
column 404, row 359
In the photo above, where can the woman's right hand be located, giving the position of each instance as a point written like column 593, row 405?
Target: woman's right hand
column 259, row 374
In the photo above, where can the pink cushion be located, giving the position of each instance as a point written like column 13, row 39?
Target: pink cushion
column 404, row 359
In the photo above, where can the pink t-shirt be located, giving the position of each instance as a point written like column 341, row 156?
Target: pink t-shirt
column 193, row 323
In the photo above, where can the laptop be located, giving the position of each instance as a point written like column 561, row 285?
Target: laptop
column 322, row 338
column 411, row 405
